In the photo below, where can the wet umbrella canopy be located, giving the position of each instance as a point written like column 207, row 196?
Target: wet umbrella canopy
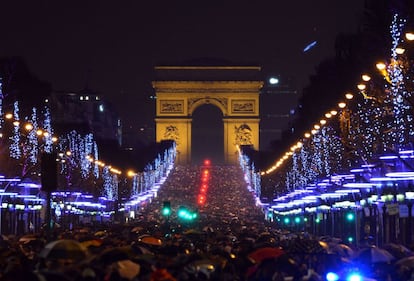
column 150, row 240
column 397, row 250
column 404, row 267
column 261, row 254
column 63, row 249
column 308, row 246
column 374, row 255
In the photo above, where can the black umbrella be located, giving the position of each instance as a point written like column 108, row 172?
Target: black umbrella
column 374, row 255
column 307, row 246
column 63, row 249
column 397, row 250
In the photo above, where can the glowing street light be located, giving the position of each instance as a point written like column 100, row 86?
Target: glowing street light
column 409, row 36
column 349, row 96
column 273, row 80
column 366, row 77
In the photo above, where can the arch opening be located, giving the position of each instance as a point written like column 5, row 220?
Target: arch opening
column 207, row 134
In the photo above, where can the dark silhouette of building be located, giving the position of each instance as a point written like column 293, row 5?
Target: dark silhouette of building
column 86, row 112
column 278, row 102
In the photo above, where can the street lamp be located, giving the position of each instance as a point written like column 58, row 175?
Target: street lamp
column 273, row 80
column 409, row 36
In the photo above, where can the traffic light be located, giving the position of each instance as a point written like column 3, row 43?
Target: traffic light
column 166, row 208
column 186, row 214
column 350, row 226
column 350, row 216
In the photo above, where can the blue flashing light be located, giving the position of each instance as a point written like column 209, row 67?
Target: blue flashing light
column 354, row 277
column 332, row 276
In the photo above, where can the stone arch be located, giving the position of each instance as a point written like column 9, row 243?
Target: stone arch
column 180, row 90
column 220, row 103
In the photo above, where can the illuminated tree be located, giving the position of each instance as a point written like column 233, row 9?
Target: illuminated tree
column 398, row 93
column 15, row 149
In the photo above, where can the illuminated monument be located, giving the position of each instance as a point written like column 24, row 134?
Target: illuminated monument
column 180, row 90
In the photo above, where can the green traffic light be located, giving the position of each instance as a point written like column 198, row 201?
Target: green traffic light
column 350, row 216
column 166, row 208
column 182, row 213
column 297, row 220
column 166, row 211
column 286, row 220
column 187, row 215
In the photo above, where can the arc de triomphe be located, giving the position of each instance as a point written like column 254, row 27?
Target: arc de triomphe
column 180, row 90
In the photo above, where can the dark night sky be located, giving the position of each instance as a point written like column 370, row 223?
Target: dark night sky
column 114, row 45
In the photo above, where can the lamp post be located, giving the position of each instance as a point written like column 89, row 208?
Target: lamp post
column 49, row 184
column 409, row 195
column 384, row 235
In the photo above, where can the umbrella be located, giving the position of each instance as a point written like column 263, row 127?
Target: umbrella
column 281, row 263
column 374, row 255
column 27, row 238
column 193, row 232
column 201, row 267
column 324, row 245
column 342, row 250
column 150, row 240
column 139, row 249
column 330, row 239
column 406, row 263
column 404, row 267
column 261, row 254
column 308, row 246
column 113, row 255
column 128, row 269
column 63, row 249
column 208, row 229
column 92, row 242
column 137, row 229
column 100, row 233
column 397, row 250
column 83, row 230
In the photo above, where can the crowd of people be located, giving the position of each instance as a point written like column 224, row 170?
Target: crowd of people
column 229, row 240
